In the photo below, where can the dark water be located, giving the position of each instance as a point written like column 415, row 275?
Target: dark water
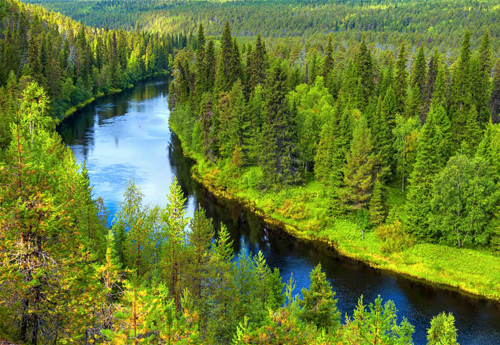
column 127, row 136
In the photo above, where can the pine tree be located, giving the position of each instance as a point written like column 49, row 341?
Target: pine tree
column 442, row 330
column 236, row 67
column 318, row 304
column 200, row 240
column 173, row 250
column 313, row 69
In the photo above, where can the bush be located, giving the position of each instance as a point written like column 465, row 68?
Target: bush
column 394, row 237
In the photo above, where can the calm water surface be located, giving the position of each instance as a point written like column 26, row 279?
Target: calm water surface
column 126, row 136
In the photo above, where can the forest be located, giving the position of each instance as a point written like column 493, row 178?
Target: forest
column 294, row 24
column 396, row 149
column 354, row 142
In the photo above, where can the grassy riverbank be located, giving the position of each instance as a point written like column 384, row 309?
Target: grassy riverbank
column 303, row 212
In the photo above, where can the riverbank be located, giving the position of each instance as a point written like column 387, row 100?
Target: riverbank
column 75, row 108
column 303, row 213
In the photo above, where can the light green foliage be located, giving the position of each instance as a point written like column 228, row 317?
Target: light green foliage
column 405, row 135
column 376, row 324
column 463, row 203
column 443, row 330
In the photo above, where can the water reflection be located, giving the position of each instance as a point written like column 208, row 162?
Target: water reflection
column 127, row 136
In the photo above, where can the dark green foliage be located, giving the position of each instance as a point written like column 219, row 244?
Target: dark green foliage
column 278, row 155
column 377, row 205
column 359, row 168
column 72, row 62
column 401, row 80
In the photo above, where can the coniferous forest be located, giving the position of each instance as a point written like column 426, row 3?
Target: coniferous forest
column 350, row 123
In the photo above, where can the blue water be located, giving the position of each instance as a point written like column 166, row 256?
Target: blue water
column 127, row 136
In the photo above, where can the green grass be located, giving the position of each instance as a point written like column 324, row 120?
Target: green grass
column 303, row 212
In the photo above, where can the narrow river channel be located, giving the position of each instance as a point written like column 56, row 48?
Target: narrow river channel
column 127, row 136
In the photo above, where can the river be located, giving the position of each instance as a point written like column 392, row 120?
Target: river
column 126, row 136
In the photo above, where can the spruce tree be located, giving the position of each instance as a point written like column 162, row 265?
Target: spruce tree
column 257, row 65
column 382, row 142
column 200, row 64
column 328, row 61
column 481, row 81
column 427, row 164
column 318, row 303
column 364, row 69
column 460, row 98
column 209, row 66
column 401, row 80
column 390, row 108
column 419, row 72
column 358, row 172
column 377, row 208
column 433, row 69
column 278, row 159
column 473, row 134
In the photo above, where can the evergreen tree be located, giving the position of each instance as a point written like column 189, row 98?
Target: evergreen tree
column 358, row 172
column 319, row 305
column 460, row 98
column 257, row 65
column 401, row 80
column 419, row 80
column 442, row 330
column 382, row 142
column 481, row 84
column 278, row 156
column 495, row 95
column 173, row 250
column 328, row 61
column 433, row 69
column 390, row 108
column 364, row 69
column 377, row 207
column 427, row 164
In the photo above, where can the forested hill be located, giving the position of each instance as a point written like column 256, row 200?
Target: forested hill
column 72, row 62
column 438, row 23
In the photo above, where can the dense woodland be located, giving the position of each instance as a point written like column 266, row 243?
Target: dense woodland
column 74, row 63
column 295, row 25
column 357, row 122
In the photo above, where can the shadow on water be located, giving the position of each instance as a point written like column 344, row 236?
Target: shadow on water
column 127, row 136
